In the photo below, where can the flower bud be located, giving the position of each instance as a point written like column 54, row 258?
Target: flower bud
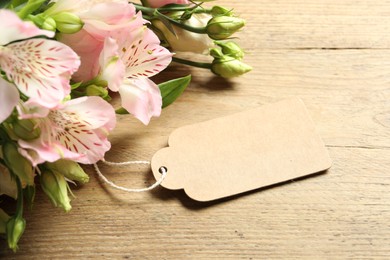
column 18, row 164
column 222, row 27
column 93, row 90
column 26, row 129
column 229, row 67
column 69, row 169
column 231, row 49
column 216, row 53
column 3, row 221
column 220, row 11
column 186, row 41
column 56, row 188
column 14, row 230
column 8, row 183
column 49, row 24
column 68, row 22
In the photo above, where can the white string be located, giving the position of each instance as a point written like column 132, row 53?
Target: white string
column 163, row 171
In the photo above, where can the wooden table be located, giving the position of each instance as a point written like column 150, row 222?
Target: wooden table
column 335, row 56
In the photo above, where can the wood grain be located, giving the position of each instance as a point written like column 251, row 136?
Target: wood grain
column 332, row 54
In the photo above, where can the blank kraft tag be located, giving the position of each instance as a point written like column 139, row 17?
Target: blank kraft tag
column 242, row 152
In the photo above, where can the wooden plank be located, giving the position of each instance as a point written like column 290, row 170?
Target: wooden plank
column 315, row 24
column 341, row 214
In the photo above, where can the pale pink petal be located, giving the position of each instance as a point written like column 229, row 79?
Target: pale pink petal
column 12, row 28
column 141, row 98
column 144, row 56
column 77, row 6
column 102, row 20
column 94, row 111
column 37, row 152
column 112, row 67
column 89, row 49
column 9, row 97
column 40, row 68
column 76, row 130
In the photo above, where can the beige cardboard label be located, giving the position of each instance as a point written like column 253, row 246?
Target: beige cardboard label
column 242, row 152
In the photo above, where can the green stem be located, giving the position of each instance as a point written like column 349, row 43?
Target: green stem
column 30, row 7
column 201, row 30
column 146, row 9
column 155, row 13
column 202, row 65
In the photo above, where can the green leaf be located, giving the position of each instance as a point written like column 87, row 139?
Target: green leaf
column 172, row 89
column 29, row 195
column 121, row 111
column 75, row 85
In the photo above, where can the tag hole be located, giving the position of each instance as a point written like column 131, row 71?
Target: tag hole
column 162, row 169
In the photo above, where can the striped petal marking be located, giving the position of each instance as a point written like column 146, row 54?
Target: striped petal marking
column 40, row 68
column 144, row 57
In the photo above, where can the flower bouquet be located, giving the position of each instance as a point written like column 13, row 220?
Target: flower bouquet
column 61, row 60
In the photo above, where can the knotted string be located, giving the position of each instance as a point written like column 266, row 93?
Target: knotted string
column 162, row 170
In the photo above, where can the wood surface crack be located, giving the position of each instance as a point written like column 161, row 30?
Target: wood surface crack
column 374, row 147
column 337, row 48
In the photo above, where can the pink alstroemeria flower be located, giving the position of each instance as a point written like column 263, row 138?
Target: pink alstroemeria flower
column 127, row 62
column 123, row 52
column 159, row 3
column 75, row 130
column 101, row 19
column 39, row 68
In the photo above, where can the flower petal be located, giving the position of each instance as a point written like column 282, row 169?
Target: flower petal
column 141, row 98
column 12, row 28
column 144, row 56
column 9, row 97
column 40, row 68
column 112, row 67
column 89, row 49
column 102, row 20
column 76, row 130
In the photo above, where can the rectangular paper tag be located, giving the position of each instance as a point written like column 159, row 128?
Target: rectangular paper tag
column 242, row 152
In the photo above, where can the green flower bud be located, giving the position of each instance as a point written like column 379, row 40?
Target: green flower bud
column 3, row 221
column 68, row 22
column 26, row 129
column 222, row 27
column 220, row 11
column 231, row 49
column 49, row 24
column 229, row 67
column 94, row 90
column 69, row 169
column 56, row 188
column 18, row 164
column 14, row 230
column 8, row 184
column 216, row 53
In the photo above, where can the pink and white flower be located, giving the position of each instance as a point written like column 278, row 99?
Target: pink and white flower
column 101, row 19
column 121, row 51
column 141, row 56
column 75, row 130
column 39, row 68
